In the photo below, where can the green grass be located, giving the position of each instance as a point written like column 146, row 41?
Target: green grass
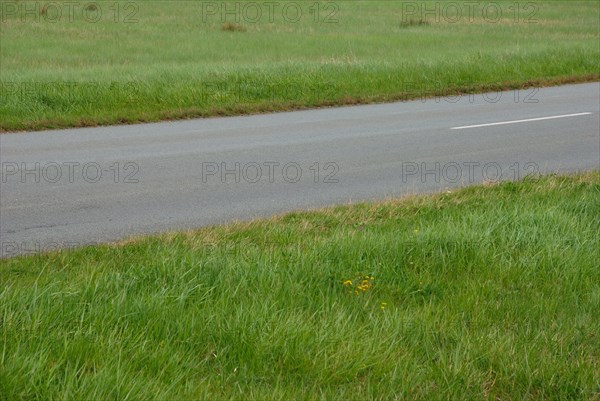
column 490, row 292
column 170, row 64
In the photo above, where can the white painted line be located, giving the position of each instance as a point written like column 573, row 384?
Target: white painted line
column 522, row 121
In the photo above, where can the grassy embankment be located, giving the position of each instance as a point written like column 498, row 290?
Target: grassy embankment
column 484, row 293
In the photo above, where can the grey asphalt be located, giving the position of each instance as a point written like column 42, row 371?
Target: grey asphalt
column 82, row 186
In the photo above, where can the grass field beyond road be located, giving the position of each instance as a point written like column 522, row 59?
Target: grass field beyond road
column 484, row 293
column 86, row 63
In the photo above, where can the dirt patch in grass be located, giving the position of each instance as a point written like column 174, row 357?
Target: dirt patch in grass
column 231, row 27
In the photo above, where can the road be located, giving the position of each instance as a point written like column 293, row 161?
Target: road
column 82, row 186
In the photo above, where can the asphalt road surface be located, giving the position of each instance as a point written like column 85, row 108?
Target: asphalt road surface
column 82, row 186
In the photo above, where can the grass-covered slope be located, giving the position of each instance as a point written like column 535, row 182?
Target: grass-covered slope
column 484, row 293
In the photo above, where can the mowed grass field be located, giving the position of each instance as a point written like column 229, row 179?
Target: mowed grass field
column 490, row 292
column 85, row 63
